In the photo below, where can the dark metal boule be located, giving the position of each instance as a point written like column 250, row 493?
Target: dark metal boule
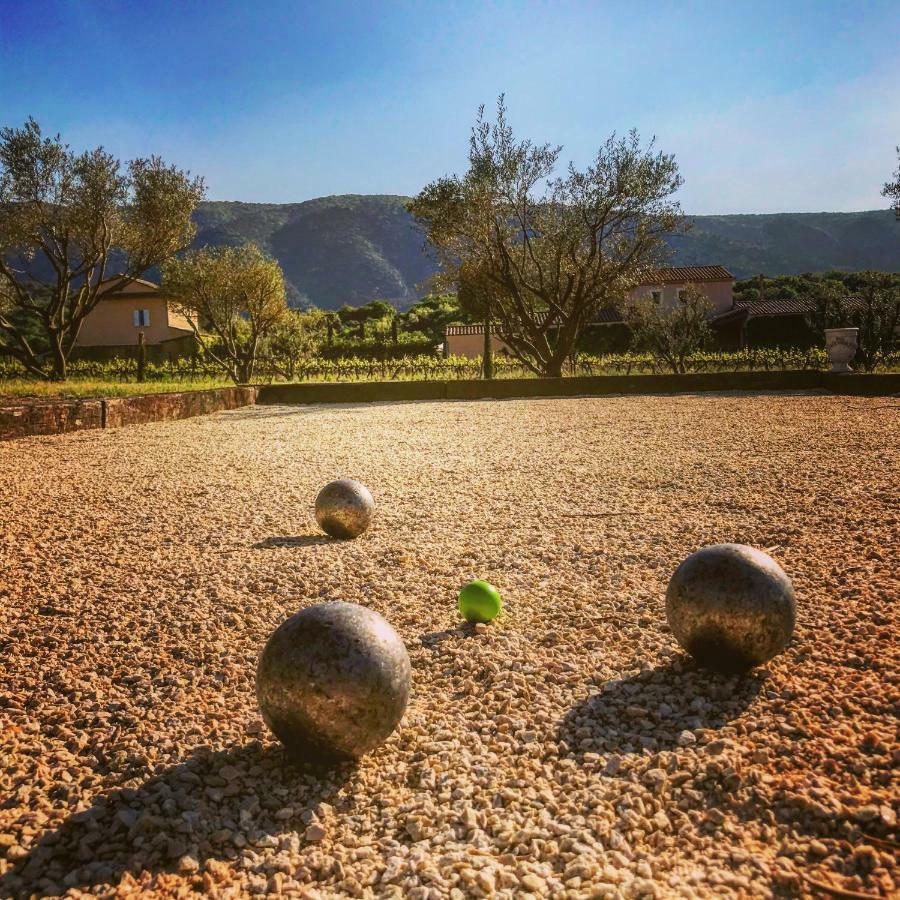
column 344, row 508
column 333, row 681
column 731, row 607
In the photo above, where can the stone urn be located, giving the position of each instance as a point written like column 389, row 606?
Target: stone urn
column 840, row 345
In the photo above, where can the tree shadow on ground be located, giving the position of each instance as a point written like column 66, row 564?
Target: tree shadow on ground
column 302, row 540
column 651, row 711
column 207, row 807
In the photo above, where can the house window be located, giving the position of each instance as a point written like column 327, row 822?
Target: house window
column 141, row 318
column 657, row 296
column 679, row 294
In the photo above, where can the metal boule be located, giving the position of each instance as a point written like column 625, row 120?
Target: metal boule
column 731, row 607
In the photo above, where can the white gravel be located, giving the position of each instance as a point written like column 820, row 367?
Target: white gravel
column 566, row 750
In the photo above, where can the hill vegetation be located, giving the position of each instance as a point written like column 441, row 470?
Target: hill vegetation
column 351, row 249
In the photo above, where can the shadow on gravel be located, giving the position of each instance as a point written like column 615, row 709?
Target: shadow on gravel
column 262, row 411
column 433, row 638
column 303, row 540
column 651, row 711
column 177, row 820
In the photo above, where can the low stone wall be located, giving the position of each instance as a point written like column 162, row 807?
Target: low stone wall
column 598, row 385
column 166, row 407
column 59, row 416
column 49, row 417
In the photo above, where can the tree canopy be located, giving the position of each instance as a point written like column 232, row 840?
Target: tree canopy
column 66, row 220
column 236, row 293
column 541, row 254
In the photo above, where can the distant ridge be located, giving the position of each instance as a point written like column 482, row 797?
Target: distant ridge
column 359, row 247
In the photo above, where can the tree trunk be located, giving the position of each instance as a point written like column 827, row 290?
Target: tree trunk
column 59, row 358
column 488, row 353
column 245, row 370
column 555, row 367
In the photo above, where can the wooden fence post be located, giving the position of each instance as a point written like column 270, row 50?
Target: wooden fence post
column 141, row 357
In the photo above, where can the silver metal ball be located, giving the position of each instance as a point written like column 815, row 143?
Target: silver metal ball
column 731, row 607
column 333, row 681
column 344, row 508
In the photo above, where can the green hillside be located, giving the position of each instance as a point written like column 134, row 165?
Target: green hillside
column 355, row 248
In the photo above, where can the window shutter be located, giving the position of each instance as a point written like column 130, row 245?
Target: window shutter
column 146, row 317
column 136, row 318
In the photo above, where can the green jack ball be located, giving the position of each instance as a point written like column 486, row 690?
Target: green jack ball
column 479, row 601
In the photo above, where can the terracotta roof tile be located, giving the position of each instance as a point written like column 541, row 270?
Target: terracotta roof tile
column 793, row 307
column 687, row 275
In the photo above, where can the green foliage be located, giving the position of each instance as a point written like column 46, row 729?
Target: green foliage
column 670, row 335
column 540, row 253
column 433, row 314
column 200, row 372
column 869, row 301
column 298, row 337
column 807, row 285
column 64, row 218
column 237, row 293
column 376, row 330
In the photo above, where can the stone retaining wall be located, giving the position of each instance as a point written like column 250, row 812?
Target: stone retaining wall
column 597, row 385
column 165, row 407
column 59, row 416
column 49, row 417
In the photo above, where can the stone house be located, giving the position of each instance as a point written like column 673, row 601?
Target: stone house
column 664, row 284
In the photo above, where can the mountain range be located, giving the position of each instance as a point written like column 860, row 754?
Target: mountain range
column 353, row 248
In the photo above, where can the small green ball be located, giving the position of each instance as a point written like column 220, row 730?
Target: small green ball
column 479, row 601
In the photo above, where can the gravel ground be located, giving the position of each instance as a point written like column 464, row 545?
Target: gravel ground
column 567, row 750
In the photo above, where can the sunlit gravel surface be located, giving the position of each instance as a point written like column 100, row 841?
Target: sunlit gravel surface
column 567, row 750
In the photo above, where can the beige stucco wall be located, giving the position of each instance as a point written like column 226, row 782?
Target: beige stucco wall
column 720, row 293
column 111, row 322
column 471, row 345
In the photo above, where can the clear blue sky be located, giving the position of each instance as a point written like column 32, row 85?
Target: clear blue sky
column 768, row 106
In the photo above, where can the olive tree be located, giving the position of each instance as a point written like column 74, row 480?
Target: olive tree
column 669, row 335
column 296, row 340
column 541, row 254
column 234, row 294
column 66, row 219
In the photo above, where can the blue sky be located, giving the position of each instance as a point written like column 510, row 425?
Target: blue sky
column 768, row 107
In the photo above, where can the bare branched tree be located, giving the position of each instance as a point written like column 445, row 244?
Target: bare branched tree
column 64, row 219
